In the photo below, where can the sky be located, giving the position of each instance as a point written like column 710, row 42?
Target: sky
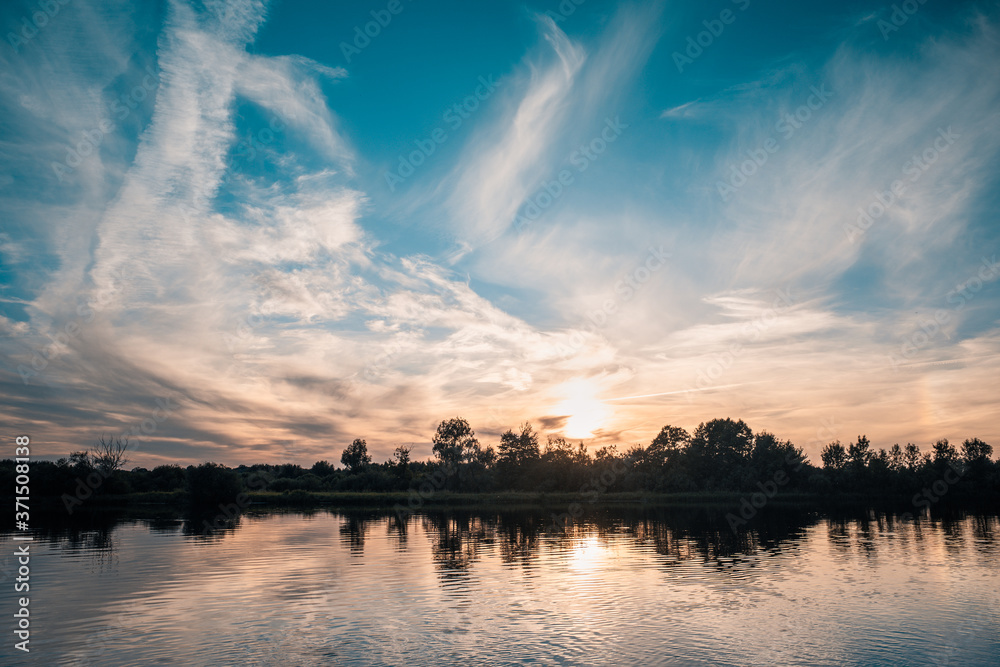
column 252, row 232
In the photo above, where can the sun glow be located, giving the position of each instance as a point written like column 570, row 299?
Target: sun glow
column 589, row 556
column 585, row 413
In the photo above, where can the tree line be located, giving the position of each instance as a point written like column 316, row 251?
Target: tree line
column 720, row 456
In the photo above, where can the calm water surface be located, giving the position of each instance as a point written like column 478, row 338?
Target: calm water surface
column 620, row 588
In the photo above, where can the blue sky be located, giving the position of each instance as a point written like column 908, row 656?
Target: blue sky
column 249, row 232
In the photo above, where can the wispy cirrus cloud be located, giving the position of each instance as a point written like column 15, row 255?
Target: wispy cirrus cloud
column 263, row 293
column 505, row 162
column 558, row 101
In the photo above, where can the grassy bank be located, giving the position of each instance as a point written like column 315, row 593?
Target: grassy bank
column 502, row 500
column 507, row 499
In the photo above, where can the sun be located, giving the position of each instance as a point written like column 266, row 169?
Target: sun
column 584, row 411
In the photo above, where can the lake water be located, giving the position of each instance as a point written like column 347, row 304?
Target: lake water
column 623, row 587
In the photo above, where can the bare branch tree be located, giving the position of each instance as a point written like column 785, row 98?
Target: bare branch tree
column 109, row 454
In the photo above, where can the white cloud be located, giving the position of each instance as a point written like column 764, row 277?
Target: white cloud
column 278, row 317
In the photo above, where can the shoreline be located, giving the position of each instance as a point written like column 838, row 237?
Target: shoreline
column 411, row 501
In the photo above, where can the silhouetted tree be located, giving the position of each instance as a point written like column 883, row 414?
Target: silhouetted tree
column 944, row 454
column 109, row 454
column 608, row 453
column 401, row 461
column 486, row 457
column 978, row 466
column 879, row 469
column 859, row 454
column 718, row 451
column 518, row 449
column 896, row 460
column 721, row 455
column 322, row 469
column 561, row 466
column 911, row 457
column 211, row 484
column 80, row 460
column 723, row 439
column 668, row 444
column 975, row 451
column 561, row 450
column 834, row 456
column 455, row 441
column 770, row 454
column 355, row 456
column 166, row 478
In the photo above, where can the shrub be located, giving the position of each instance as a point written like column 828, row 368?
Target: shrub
column 212, row 484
